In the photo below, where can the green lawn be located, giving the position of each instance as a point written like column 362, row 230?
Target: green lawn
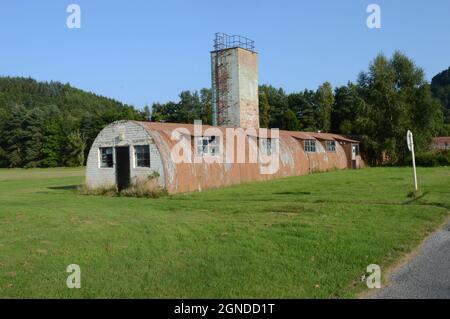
column 310, row 236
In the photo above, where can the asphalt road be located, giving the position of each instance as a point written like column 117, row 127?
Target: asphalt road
column 426, row 275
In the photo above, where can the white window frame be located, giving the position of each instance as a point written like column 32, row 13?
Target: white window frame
column 310, row 146
column 356, row 145
column 100, row 159
column 207, row 145
column 135, row 159
column 330, row 146
column 267, row 145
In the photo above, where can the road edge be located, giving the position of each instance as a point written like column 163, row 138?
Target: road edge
column 389, row 271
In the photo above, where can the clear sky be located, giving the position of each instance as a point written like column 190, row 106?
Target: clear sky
column 142, row 51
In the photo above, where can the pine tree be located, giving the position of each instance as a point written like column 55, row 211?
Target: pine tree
column 51, row 145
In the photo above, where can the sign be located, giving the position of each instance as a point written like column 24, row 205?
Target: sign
column 409, row 140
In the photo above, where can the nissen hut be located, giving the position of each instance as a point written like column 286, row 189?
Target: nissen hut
column 126, row 151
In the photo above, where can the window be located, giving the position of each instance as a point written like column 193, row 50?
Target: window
column 331, row 146
column 356, row 149
column 106, row 157
column 267, row 146
column 310, row 146
column 208, row 145
column 141, row 156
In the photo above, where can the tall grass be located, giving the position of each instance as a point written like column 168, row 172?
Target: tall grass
column 148, row 187
column 142, row 187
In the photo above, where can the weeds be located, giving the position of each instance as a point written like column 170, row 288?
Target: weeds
column 143, row 187
column 100, row 191
column 148, row 187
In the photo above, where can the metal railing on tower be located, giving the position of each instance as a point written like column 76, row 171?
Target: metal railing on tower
column 224, row 41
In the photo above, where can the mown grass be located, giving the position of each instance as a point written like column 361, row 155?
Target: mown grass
column 303, row 237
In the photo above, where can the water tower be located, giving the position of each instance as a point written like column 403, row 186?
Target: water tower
column 234, row 68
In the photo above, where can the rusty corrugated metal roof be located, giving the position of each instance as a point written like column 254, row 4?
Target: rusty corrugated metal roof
column 158, row 126
column 441, row 140
column 188, row 177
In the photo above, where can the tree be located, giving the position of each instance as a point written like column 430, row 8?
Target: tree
column 206, row 106
column 35, row 117
column 278, row 105
column 347, row 107
column 325, row 100
column 440, row 87
column 264, row 110
column 304, row 105
column 147, row 113
column 3, row 154
column 51, row 145
column 289, row 121
column 14, row 136
column 397, row 98
column 192, row 106
column 74, row 149
column 167, row 112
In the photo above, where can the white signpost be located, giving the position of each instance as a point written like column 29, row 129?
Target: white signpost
column 410, row 141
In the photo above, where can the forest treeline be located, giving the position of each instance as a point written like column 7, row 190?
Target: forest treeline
column 54, row 124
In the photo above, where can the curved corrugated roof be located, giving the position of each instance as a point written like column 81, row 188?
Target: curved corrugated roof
column 293, row 160
column 441, row 139
column 158, row 126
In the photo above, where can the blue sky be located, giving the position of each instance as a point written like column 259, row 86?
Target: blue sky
column 142, row 51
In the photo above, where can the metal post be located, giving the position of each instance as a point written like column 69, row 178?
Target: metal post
column 414, row 167
column 410, row 141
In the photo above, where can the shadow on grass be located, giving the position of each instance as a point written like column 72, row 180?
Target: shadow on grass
column 436, row 204
column 415, row 199
column 66, row 188
column 293, row 193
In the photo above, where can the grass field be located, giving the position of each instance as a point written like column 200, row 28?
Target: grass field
column 311, row 236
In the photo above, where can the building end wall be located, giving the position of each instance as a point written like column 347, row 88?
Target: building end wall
column 133, row 134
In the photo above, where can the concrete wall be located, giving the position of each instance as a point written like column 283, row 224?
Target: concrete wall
column 347, row 147
column 248, row 88
column 134, row 134
column 234, row 74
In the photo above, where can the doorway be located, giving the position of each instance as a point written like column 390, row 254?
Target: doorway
column 354, row 157
column 122, row 167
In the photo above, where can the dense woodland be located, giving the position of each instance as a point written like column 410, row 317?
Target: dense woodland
column 54, row 124
column 440, row 86
column 51, row 124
